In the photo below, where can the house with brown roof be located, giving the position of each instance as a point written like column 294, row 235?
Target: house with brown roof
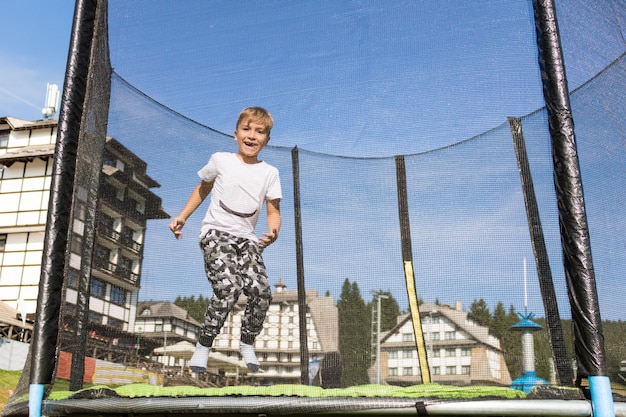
column 459, row 350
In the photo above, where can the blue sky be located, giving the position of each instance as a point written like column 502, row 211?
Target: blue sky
column 33, row 51
column 361, row 79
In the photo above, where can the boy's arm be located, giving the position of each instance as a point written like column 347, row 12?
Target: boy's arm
column 195, row 199
column 273, row 223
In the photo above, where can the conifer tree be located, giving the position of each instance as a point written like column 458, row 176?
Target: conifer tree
column 354, row 335
column 480, row 311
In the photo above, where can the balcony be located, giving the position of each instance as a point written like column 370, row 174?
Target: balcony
column 109, row 233
column 117, row 271
column 131, row 244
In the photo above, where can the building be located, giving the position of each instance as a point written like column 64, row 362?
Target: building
column 459, row 350
column 125, row 204
column 277, row 347
column 166, row 324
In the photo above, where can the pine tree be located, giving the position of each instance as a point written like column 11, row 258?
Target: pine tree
column 389, row 310
column 500, row 325
column 354, row 335
column 480, row 311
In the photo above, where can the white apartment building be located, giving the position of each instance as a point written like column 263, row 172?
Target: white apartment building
column 125, row 204
column 459, row 350
column 277, row 347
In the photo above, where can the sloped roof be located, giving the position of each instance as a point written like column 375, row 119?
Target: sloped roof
column 164, row 309
column 27, row 154
column 322, row 309
column 9, row 315
column 19, row 124
column 457, row 317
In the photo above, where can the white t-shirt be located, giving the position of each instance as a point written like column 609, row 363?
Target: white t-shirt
column 238, row 194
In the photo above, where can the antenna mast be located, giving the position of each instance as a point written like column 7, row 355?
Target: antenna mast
column 52, row 101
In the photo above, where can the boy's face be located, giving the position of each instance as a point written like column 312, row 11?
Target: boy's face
column 251, row 137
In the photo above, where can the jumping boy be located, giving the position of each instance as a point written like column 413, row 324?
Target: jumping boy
column 239, row 184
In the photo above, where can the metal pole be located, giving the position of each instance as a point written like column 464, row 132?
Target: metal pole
column 380, row 296
column 378, row 341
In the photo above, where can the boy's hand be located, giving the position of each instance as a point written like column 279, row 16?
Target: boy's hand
column 268, row 238
column 176, row 225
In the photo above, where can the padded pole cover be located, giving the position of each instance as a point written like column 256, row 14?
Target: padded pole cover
column 45, row 335
column 579, row 273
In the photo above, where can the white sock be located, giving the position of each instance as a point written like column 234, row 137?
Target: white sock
column 247, row 352
column 200, row 357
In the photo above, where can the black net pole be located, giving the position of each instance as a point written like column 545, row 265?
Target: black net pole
column 579, row 273
column 87, row 182
column 546, row 284
column 302, row 306
column 45, row 336
column 407, row 258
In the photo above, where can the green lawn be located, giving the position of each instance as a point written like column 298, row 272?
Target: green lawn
column 8, row 382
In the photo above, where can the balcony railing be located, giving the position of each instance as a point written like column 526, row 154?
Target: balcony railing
column 131, row 244
column 109, row 232
column 118, row 271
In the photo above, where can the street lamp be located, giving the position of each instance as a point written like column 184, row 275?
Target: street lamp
column 138, row 340
column 380, row 296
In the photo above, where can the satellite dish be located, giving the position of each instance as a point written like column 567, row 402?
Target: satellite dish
column 52, row 101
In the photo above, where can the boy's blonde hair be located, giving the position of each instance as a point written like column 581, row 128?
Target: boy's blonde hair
column 257, row 115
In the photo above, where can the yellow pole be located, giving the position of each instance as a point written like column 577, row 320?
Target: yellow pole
column 417, row 322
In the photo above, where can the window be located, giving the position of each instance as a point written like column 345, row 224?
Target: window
column 97, row 287
column 95, row 317
column 465, row 369
column 106, row 222
column 80, row 210
column 115, row 323
column 450, row 353
column 393, row 354
column 76, row 244
column 406, row 354
column 118, row 295
column 436, row 353
column 450, row 370
column 102, row 253
column 393, row 371
column 450, row 335
column 3, row 243
column 435, row 336
column 407, row 337
column 407, row 371
column 4, row 139
column 436, row 370
column 124, row 267
column 68, row 310
column 435, row 319
column 72, row 278
column 466, row 352
column 108, row 159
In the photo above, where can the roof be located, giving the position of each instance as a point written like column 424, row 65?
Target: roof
column 9, row 315
column 139, row 165
column 164, row 309
column 27, row 154
column 458, row 317
column 322, row 310
column 19, row 124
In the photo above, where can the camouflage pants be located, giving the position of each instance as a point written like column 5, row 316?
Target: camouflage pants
column 234, row 266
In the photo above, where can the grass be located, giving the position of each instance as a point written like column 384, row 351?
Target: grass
column 8, row 382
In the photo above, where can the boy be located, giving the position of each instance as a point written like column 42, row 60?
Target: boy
column 239, row 183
